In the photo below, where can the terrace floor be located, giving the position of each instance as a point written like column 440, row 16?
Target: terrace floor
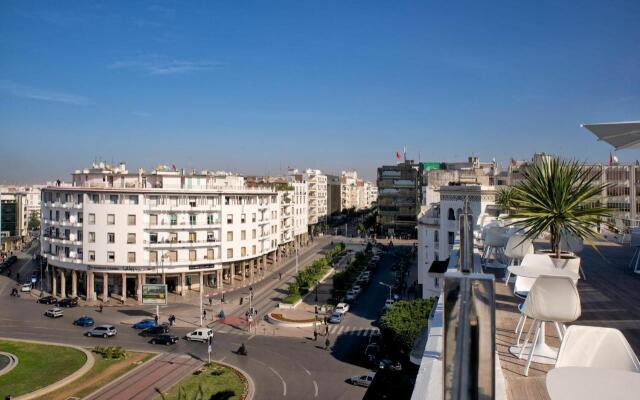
column 610, row 297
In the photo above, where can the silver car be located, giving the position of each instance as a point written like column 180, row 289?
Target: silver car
column 104, row 331
column 361, row 380
column 54, row 312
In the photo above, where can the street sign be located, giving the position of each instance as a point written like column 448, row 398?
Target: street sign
column 154, row 294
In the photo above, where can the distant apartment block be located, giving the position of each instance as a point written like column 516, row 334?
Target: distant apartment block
column 399, row 198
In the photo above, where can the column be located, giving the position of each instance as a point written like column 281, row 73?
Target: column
column 63, row 281
column 124, row 287
column 183, row 287
column 219, row 279
column 232, row 275
column 54, row 282
column 105, row 286
column 243, row 269
column 201, row 288
column 141, row 278
column 74, row 283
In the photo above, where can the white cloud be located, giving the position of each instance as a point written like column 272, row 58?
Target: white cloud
column 156, row 65
column 28, row 92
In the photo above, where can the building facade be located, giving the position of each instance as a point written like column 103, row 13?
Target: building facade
column 112, row 231
column 399, row 199
column 334, row 201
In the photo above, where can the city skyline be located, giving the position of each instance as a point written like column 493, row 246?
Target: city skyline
column 335, row 86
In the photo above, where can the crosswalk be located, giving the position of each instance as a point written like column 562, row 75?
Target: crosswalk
column 354, row 331
column 334, row 330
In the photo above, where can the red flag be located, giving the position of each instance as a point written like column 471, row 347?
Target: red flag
column 398, row 155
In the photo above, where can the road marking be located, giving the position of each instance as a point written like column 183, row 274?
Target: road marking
column 305, row 370
column 222, row 359
column 284, row 384
column 315, row 387
column 251, row 337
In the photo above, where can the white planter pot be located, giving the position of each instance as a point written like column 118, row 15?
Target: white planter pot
column 571, row 263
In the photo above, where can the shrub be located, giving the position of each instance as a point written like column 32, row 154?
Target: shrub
column 113, row 352
column 292, row 298
column 402, row 322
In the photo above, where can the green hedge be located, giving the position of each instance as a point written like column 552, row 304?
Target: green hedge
column 402, row 322
column 343, row 280
column 310, row 275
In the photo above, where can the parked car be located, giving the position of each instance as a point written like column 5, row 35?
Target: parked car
column 200, row 334
column 357, row 289
column 68, row 302
column 54, row 312
column 390, row 365
column 361, row 380
column 341, row 308
column 350, row 296
column 154, row 330
column 388, row 303
column 104, row 331
column 336, row 318
column 144, row 324
column 47, row 300
column 165, row 339
column 84, row 321
column 25, row 287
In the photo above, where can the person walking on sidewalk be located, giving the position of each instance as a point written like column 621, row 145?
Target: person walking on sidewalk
column 327, row 343
column 155, row 318
column 210, row 301
column 280, row 275
column 326, row 330
column 204, row 314
column 315, row 336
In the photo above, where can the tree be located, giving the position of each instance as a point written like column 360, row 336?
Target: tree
column 560, row 197
column 401, row 323
column 505, row 198
column 34, row 221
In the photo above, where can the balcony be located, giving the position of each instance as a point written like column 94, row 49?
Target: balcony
column 183, row 226
column 75, row 260
column 182, row 244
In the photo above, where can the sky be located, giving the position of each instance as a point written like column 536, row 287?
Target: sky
column 258, row 86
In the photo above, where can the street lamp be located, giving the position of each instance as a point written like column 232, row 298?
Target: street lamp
column 387, row 285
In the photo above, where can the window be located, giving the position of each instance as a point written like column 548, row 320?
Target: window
column 92, row 237
column 436, row 236
column 192, row 237
column 211, row 237
column 451, row 215
column 243, row 218
column 173, row 237
column 229, row 253
column 80, row 218
column 172, row 255
column 192, row 255
column 131, row 219
column 113, row 199
column 111, row 237
column 452, row 237
column 253, row 234
column 67, row 216
column 111, row 256
column 153, row 237
column 92, row 255
column 192, row 201
column 133, row 199
column 153, row 256
column 243, row 251
column 153, row 219
column 229, row 236
column 253, row 217
column 57, row 215
column 174, row 219
column 229, row 218
column 210, row 254
column 95, row 198
column 79, row 235
column 111, row 219
column 243, row 235
column 253, row 250
column 131, row 238
column 92, row 219
column 192, row 219
column 210, row 219
column 131, row 256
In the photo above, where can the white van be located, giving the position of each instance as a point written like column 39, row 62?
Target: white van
column 200, row 334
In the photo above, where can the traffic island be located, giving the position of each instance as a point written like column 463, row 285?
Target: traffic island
column 213, row 381
column 42, row 367
column 293, row 318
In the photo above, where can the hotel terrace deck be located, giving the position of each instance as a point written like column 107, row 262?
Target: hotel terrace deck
column 610, row 297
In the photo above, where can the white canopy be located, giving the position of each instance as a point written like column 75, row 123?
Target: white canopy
column 621, row 135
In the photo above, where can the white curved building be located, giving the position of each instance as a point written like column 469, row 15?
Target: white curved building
column 111, row 231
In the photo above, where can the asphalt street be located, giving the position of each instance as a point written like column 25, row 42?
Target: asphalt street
column 281, row 367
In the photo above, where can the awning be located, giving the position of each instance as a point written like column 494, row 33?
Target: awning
column 621, row 135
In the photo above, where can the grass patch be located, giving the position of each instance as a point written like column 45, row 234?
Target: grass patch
column 39, row 365
column 292, row 298
column 211, row 382
column 104, row 371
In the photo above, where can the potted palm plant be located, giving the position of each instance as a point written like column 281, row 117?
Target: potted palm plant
column 560, row 198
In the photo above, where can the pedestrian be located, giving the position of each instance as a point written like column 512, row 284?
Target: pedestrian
column 280, row 275
column 315, row 336
column 326, row 330
column 327, row 343
column 155, row 317
column 204, row 314
column 210, row 301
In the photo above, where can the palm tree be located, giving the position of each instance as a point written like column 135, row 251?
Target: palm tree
column 505, row 198
column 560, row 197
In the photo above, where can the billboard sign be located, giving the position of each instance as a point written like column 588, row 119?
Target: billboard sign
column 154, row 294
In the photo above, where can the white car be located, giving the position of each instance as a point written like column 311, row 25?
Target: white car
column 361, row 380
column 200, row 335
column 26, row 287
column 341, row 308
column 388, row 303
column 54, row 312
column 356, row 288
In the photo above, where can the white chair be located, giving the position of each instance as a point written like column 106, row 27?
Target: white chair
column 551, row 299
column 523, row 285
column 517, row 247
column 494, row 244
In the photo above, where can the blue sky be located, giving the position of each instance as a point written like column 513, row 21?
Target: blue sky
column 255, row 87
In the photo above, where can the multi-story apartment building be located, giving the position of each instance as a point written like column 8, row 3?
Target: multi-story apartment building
column 372, row 194
column 17, row 205
column 348, row 190
column 399, row 194
column 438, row 224
column 334, row 202
column 111, row 231
column 316, row 193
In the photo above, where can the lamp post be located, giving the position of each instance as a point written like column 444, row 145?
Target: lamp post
column 387, row 285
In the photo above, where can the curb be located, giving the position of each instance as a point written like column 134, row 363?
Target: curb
column 57, row 385
column 13, row 362
column 251, row 387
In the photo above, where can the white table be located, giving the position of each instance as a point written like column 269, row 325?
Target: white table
column 542, row 352
column 592, row 383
